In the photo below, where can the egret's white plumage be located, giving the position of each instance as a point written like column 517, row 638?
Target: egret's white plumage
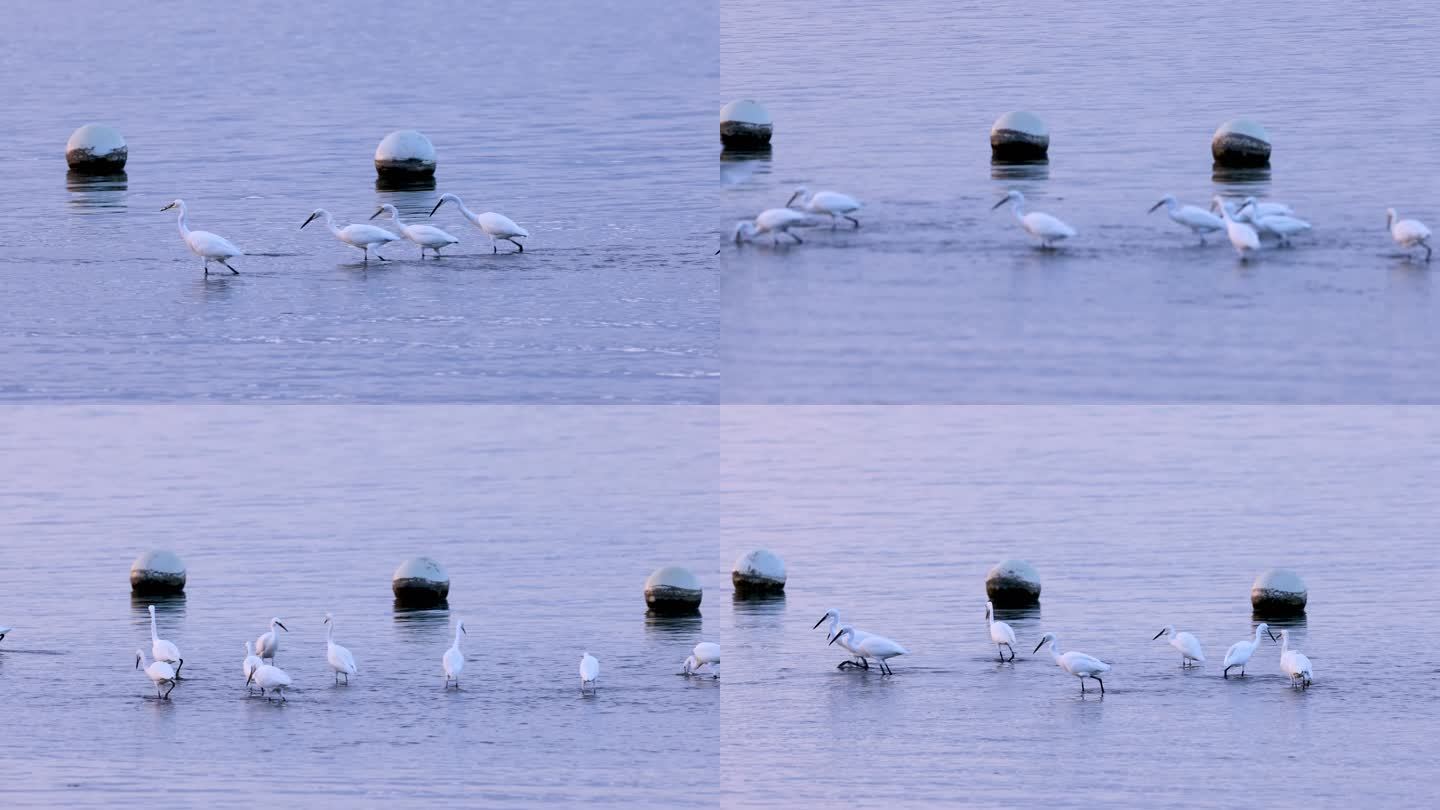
column 339, row 658
column 1185, row 643
column 1294, row 663
column 159, row 672
column 162, row 650
column 252, row 662
column 1239, row 653
column 1078, row 664
column 589, row 671
column 496, row 226
column 705, row 654
column 269, row 642
column 1281, row 226
column 1268, row 209
column 773, row 221
column 1044, row 227
column 206, row 245
column 1407, row 233
column 834, row 618
column 875, row 648
column 428, row 237
column 454, row 661
column 1000, row 632
column 1198, row 220
column 272, row 679
column 363, row 237
column 832, row 203
column 1243, row 237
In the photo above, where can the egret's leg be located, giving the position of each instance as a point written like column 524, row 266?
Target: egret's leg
column 516, row 244
column 1002, row 653
column 168, row 691
column 854, row 220
column 1427, row 252
column 179, row 666
column 494, row 245
column 1082, row 686
column 834, row 223
column 796, row 237
column 228, row 267
column 378, row 256
column 1226, row 673
column 1011, row 648
column 367, row 254
column 1102, row 684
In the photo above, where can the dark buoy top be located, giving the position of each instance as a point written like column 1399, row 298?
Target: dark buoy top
column 745, row 124
column 1019, row 137
column 1240, row 144
column 96, row 149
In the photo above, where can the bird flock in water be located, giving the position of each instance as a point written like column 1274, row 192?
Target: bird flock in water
column 499, row 228
column 164, row 663
column 867, row 647
column 1244, row 223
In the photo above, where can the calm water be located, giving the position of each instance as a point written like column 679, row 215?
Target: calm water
column 548, row 520
column 937, row 298
column 258, row 113
column 1135, row 517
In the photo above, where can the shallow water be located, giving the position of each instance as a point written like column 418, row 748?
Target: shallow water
column 257, row 114
column 1135, row 517
column 937, row 298
column 548, row 520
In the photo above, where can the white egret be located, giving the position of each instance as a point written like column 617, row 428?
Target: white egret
column 269, row 642
column 1000, row 632
column 1268, row 209
column 1044, row 227
column 426, row 236
column 1294, row 663
column 1198, row 220
column 1185, row 643
column 1407, row 233
column 826, row 202
column 773, row 221
column 1242, row 236
column 858, row 635
column 363, row 237
column 589, row 671
column 454, row 660
column 1078, row 664
column 252, row 662
column 705, row 654
column 270, row 678
column 1281, row 226
column 206, row 245
column 339, row 658
column 162, row 650
column 877, row 648
column 159, row 672
column 496, row 226
column 1240, row 652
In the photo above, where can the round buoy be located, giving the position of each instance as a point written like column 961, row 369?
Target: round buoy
column 1240, row 144
column 405, row 154
column 745, row 124
column 672, row 591
column 1278, row 592
column 1013, row 583
column 759, row 572
column 96, row 149
column 157, row 572
column 420, row 582
column 1019, row 137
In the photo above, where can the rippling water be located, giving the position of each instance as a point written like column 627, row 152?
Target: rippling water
column 1135, row 517
column 548, row 522
column 937, row 298
column 258, row 113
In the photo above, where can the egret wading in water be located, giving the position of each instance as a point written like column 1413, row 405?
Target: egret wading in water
column 1294, row 663
column 206, row 245
column 876, row 648
column 428, row 237
column 162, row 650
column 1001, row 633
column 1044, row 227
column 1185, row 643
column 269, row 642
column 252, row 662
column 1268, row 209
column 1407, row 233
column 1239, row 653
column 1078, row 664
column 1242, row 236
column 159, row 672
column 270, row 678
column 832, row 203
column 364, row 237
column 773, row 221
column 496, row 226
column 1281, row 226
column 855, row 660
column 705, row 654
column 1198, row 220
column 589, row 671
column 454, row 661
column 339, row 658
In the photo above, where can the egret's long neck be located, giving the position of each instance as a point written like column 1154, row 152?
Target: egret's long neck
column 456, row 645
column 335, row 229
column 395, row 215
column 329, row 632
column 1284, row 643
column 1054, row 653
column 154, row 636
column 184, row 232
column 470, row 215
column 1017, row 207
column 1257, row 637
